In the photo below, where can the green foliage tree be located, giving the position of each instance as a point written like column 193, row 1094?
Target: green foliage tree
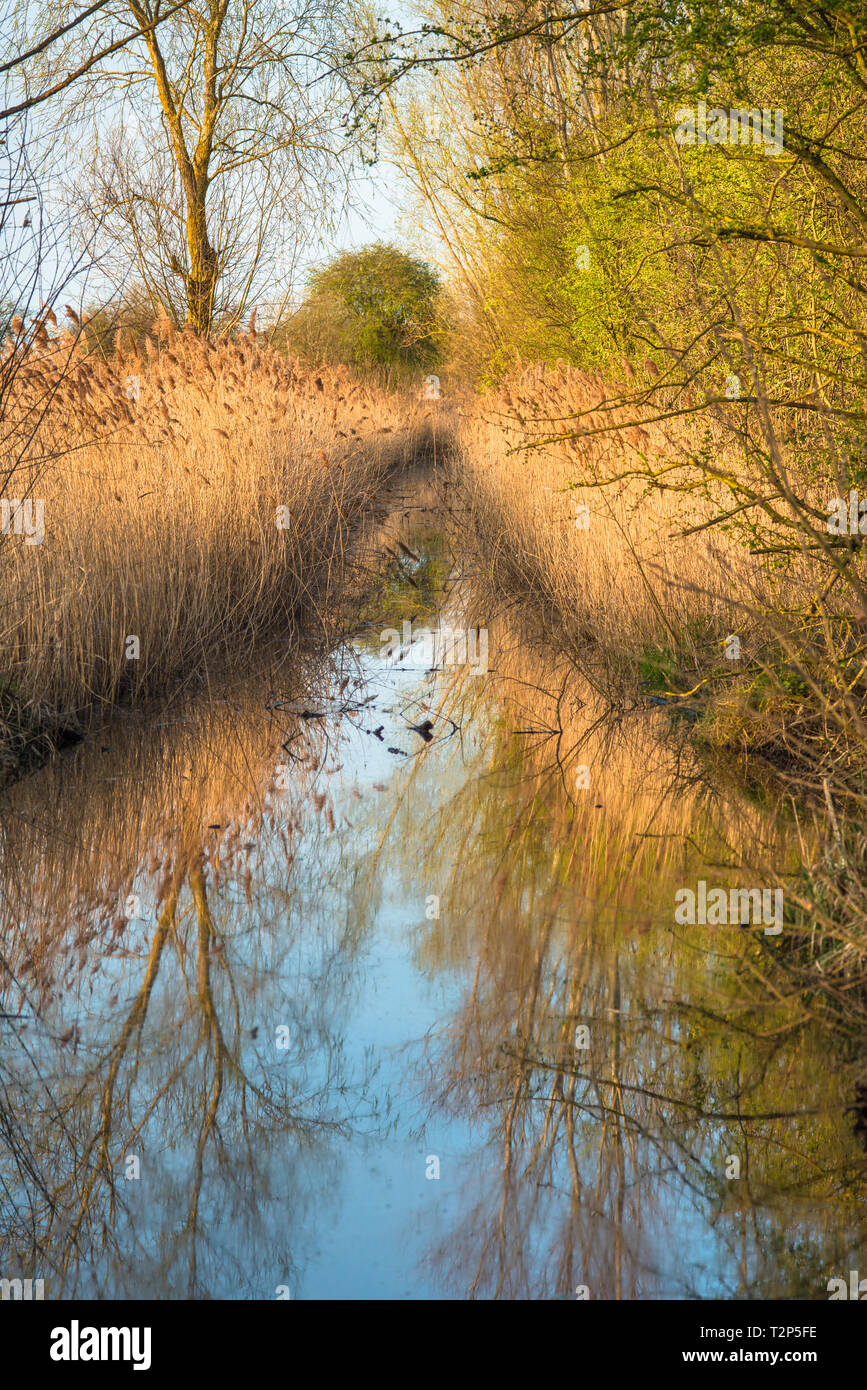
column 377, row 307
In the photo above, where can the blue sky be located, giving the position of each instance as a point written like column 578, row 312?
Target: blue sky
column 374, row 213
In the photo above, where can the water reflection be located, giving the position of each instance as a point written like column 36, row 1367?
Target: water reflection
column 619, row 1069
column 269, row 952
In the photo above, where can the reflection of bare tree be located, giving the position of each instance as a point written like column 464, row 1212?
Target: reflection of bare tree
column 234, row 1137
column 600, row 1165
column 607, row 1164
column 102, row 1166
column 186, row 1081
column 603, row 1161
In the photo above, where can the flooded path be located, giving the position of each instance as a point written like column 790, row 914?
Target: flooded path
column 356, row 979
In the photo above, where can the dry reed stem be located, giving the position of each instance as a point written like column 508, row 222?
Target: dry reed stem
column 161, row 479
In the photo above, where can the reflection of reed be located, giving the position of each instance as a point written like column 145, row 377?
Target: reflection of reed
column 174, row 1078
column 600, row 1165
column 607, row 1165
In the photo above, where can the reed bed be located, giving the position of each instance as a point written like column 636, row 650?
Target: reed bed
column 194, row 496
column 641, row 601
column 558, row 471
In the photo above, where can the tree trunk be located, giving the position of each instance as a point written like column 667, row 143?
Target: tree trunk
column 201, row 280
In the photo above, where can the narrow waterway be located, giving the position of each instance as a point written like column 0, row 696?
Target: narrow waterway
column 354, row 978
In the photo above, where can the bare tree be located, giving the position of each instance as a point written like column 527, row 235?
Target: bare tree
column 215, row 137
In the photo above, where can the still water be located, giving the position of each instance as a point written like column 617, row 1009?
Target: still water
column 341, row 980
